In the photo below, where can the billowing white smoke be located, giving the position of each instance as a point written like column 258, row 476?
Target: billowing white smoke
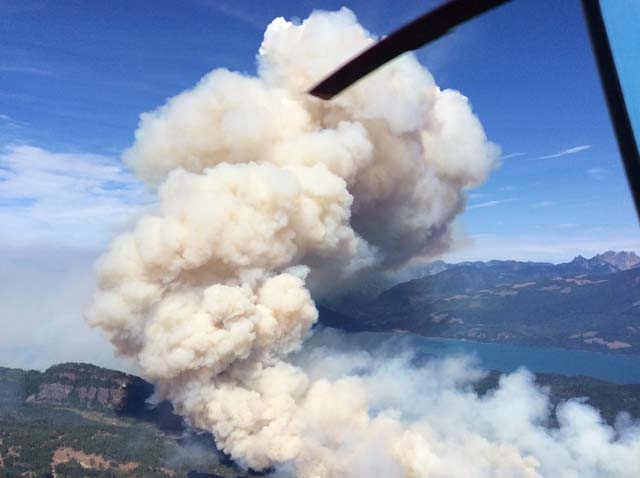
column 266, row 193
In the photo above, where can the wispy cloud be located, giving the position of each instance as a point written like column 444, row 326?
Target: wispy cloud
column 597, row 173
column 545, row 204
column 8, row 9
column 566, row 152
column 495, row 202
column 63, row 198
column 512, row 155
column 24, row 69
column 232, row 10
column 7, row 120
column 475, row 195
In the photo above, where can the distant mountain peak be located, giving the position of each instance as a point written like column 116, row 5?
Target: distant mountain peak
column 623, row 260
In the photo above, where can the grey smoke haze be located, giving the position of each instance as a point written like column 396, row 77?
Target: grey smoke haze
column 267, row 196
column 42, row 293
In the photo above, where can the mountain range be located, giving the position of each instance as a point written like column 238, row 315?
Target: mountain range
column 591, row 304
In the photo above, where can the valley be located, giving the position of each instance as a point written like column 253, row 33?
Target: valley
column 588, row 304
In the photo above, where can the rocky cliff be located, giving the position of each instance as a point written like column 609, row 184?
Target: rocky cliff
column 77, row 384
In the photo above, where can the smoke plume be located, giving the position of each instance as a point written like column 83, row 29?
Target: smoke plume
column 268, row 197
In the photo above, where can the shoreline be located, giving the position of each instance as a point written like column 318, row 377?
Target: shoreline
column 402, row 332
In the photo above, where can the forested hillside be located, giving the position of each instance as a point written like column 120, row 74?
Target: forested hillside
column 79, row 420
column 591, row 304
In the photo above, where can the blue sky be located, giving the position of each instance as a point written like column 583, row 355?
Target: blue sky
column 74, row 76
column 622, row 18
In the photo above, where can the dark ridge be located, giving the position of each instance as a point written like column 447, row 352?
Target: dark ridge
column 338, row 320
column 135, row 405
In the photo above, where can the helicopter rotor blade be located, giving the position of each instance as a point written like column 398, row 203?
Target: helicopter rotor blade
column 426, row 28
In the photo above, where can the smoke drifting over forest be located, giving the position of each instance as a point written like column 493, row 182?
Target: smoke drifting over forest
column 268, row 197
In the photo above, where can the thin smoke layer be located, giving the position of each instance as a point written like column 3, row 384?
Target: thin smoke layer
column 266, row 197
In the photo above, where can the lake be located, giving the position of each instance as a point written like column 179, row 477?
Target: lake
column 507, row 358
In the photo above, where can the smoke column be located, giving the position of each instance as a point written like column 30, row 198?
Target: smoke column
column 267, row 196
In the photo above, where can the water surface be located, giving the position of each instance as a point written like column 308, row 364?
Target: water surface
column 507, row 358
